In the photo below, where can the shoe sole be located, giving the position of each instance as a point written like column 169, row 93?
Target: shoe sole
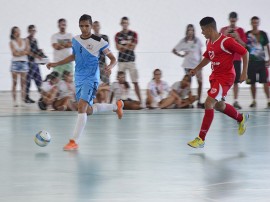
column 73, row 149
column 196, row 147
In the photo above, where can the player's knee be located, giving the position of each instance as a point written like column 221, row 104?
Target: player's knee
column 220, row 106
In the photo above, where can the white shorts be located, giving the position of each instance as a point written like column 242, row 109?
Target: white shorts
column 131, row 67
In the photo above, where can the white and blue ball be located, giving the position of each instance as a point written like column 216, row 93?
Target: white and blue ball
column 42, row 138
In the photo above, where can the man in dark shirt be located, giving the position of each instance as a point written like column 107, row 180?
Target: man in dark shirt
column 105, row 78
column 35, row 56
column 126, row 42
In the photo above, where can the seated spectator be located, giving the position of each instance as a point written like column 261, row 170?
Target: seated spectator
column 182, row 93
column 49, row 90
column 121, row 90
column 158, row 93
column 102, row 95
column 66, row 100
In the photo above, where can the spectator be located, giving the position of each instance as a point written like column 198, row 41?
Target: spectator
column 35, row 56
column 190, row 48
column 239, row 35
column 121, row 91
column 182, row 93
column 257, row 40
column 61, row 43
column 105, row 78
column 102, row 95
column 49, row 90
column 65, row 100
column 126, row 42
column 19, row 67
column 158, row 92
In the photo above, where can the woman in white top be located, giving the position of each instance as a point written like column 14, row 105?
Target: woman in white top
column 65, row 100
column 20, row 49
column 190, row 48
column 158, row 92
column 121, row 91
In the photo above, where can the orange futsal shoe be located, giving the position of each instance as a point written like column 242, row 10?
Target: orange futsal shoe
column 119, row 111
column 71, row 146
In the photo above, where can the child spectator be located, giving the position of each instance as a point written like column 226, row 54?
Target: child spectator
column 158, row 92
column 65, row 100
column 49, row 90
column 121, row 90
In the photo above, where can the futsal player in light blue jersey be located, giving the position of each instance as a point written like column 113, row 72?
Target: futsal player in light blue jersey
column 86, row 49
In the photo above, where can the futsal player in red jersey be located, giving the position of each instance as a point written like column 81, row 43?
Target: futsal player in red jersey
column 220, row 52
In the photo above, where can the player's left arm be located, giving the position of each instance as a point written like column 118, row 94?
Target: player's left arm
column 112, row 58
column 234, row 47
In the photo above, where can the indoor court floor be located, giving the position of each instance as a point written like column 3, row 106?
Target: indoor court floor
column 142, row 158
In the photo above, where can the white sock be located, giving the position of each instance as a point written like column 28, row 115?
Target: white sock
column 103, row 107
column 81, row 122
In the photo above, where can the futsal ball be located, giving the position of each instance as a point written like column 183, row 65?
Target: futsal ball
column 42, row 138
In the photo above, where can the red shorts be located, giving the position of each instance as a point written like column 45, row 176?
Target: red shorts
column 217, row 90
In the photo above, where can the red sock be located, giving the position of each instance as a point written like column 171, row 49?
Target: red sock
column 206, row 123
column 233, row 113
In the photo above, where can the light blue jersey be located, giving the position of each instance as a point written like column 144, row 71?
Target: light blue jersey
column 87, row 53
column 87, row 73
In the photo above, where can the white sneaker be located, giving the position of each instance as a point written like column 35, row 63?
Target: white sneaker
column 15, row 103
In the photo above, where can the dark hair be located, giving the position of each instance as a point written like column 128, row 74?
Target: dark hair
column 187, row 76
column 255, row 18
column 156, row 70
column 208, row 21
column 31, row 27
column 86, row 17
column 65, row 73
column 61, row 20
column 52, row 76
column 96, row 22
column 194, row 38
column 119, row 73
column 233, row 15
column 12, row 32
column 124, row 18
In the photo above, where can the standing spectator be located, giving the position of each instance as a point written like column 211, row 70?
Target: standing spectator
column 34, row 55
column 190, row 48
column 239, row 35
column 257, row 41
column 19, row 67
column 61, row 43
column 121, row 91
column 126, row 42
column 102, row 59
column 158, row 92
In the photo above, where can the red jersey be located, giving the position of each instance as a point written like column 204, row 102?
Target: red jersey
column 241, row 34
column 221, row 53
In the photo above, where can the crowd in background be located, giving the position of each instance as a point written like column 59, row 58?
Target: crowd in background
column 57, row 91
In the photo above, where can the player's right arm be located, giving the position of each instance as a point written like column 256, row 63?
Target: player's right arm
column 203, row 63
column 61, row 62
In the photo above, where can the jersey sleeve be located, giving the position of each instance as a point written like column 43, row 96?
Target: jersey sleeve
column 135, row 38
column 266, row 40
column 234, row 47
column 73, row 47
column 242, row 35
column 103, row 44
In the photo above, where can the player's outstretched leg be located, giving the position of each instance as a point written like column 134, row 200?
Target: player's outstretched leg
column 240, row 118
column 198, row 142
column 103, row 107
